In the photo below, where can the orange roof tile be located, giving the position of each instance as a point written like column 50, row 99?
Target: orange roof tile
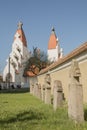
column 21, row 34
column 30, row 73
column 52, row 42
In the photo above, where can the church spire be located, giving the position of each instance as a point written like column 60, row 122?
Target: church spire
column 52, row 40
column 53, row 30
column 20, row 34
column 20, row 24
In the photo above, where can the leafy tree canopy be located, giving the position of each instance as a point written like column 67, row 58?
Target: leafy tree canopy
column 38, row 60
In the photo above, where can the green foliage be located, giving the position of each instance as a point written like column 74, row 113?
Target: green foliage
column 38, row 60
column 22, row 111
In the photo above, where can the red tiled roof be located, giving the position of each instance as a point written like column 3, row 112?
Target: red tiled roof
column 30, row 73
column 22, row 36
column 74, row 53
column 52, row 42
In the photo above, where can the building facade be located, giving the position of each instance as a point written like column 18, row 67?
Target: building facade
column 14, row 69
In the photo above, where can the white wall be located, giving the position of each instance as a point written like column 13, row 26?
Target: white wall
column 53, row 54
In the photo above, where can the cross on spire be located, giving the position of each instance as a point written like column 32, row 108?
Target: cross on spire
column 53, row 30
column 20, row 25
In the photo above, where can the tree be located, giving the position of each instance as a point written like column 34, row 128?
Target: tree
column 38, row 60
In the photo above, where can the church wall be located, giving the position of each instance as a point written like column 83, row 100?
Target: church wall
column 19, row 76
column 25, row 54
column 6, row 71
column 53, row 54
column 61, row 72
column 18, row 57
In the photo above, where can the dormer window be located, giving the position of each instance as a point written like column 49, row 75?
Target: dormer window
column 19, row 36
column 16, row 58
column 14, row 65
column 18, row 49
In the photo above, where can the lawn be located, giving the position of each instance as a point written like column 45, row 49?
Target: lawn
column 22, row 111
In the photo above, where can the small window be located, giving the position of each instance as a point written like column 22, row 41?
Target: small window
column 18, row 49
column 19, row 36
column 16, row 58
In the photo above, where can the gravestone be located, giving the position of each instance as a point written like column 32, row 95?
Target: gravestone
column 36, row 89
column 39, row 91
column 31, row 88
column 47, row 89
column 75, row 102
column 57, row 94
column 43, row 92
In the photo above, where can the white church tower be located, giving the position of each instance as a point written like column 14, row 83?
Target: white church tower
column 13, row 71
column 54, row 50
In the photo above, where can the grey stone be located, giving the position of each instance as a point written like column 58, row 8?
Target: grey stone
column 39, row 91
column 75, row 102
column 48, row 89
column 43, row 92
column 57, row 94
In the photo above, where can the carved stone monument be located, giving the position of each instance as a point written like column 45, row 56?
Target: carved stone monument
column 39, row 91
column 75, row 102
column 47, row 89
column 36, row 89
column 43, row 93
column 31, row 88
column 57, row 94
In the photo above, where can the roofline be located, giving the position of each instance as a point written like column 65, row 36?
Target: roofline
column 60, row 61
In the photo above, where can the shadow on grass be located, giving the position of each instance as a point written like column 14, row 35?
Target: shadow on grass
column 17, row 90
column 32, row 115
column 85, row 114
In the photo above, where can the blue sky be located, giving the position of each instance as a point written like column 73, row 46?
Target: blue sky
column 69, row 18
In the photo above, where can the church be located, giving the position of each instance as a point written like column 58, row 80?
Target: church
column 58, row 70
column 14, row 69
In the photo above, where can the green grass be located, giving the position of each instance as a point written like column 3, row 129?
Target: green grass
column 22, row 111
